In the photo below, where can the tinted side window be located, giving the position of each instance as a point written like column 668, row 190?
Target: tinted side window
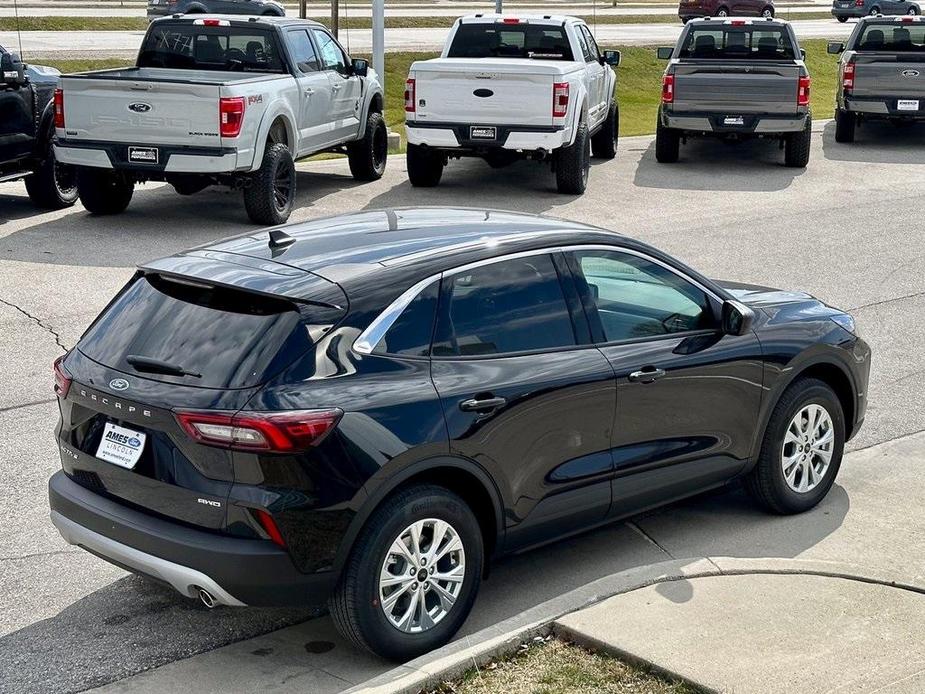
column 583, row 45
column 303, row 52
column 593, row 55
column 511, row 306
column 332, row 57
column 636, row 298
column 411, row 332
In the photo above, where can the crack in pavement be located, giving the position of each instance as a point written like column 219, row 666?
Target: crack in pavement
column 10, row 408
column 49, row 553
column 39, row 322
column 648, row 538
column 886, row 301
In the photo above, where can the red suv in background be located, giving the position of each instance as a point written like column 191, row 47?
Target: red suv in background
column 688, row 9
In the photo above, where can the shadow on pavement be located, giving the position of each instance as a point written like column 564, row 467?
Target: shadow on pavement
column 877, row 142
column 710, row 164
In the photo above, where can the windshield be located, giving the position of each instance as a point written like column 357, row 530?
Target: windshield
column 537, row 41
column 193, row 47
column 739, row 43
column 892, row 37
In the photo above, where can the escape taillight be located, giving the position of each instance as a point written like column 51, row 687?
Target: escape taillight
column 230, row 115
column 59, row 108
column 560, row 93
column 409, row 95
column 288, row 431
column 62, row 378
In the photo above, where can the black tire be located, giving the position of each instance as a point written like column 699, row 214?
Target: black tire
column 368, row 155
column 270, row 196
column 53, row 186
column 573, row 163
column 667, row 143
column 845, row 124
column 103, row 191
column 842, row 19
column 425, row 166
column 796, row 147
column 604, row 143
column 355, row 605
column 722, row 12
column 874, row 11
column 768, row 12
column 766, row 482
column 685, row 20
column 913, row 11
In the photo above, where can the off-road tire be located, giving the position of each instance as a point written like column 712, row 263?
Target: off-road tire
column 845, row 123
column 354, row 605
column 103, row 191
column 667, row 143
column 266, row 199
column 796, row 147
column 53, row 186
column 766, row 482
column 368, row 155
column 573, row 163
column 425, row 166
column 604, row 143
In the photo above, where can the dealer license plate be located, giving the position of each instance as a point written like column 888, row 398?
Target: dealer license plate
column 121, row 446
column 907, row 105
column 483, row 132
column 143, row 155
column 734, row 120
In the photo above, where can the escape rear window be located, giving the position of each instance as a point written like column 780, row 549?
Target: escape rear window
column 224, row 337
column 739, row 43
column 892, row 37
column 194, row 47
column 498, row 40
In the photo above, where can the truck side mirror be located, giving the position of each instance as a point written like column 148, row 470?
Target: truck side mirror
column 803, row 53
column 12, row 70
column 611, row 58
column 360, row 67
column 664, row 52
column 835, row 47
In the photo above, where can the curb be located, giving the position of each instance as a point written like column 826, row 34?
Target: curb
column 454, row 659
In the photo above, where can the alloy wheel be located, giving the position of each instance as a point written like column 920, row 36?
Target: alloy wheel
column 807, row 448
column 65, row 179
column 422, row 575
column 282, row 187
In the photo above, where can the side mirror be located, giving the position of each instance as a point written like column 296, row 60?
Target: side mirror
column 803, row 53
column 12, row 70
column 835, row 47
column 664, row 52
column 737, row 318
column 611, row 58
column 360, row 67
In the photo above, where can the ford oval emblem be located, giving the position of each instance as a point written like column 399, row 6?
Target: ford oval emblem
column 119, row 384
column 139, row 107
column 910, row 73
column 483, row 93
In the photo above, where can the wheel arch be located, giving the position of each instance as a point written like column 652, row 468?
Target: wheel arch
column 275, row 118
column 373, row 103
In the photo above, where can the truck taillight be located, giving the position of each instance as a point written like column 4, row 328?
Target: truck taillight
column 803, row 92
column 409, row 96
column 847, row 77
column 559, row 99
column 668, row 89
column 288, row 431
column 230, row 116
column 59, row 108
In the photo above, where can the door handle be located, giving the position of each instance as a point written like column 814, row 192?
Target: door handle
column 482, row 404
column 647, row 375
column 309, row 91
column 335, row 87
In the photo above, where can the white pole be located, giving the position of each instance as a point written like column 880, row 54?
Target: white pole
column 379, row 40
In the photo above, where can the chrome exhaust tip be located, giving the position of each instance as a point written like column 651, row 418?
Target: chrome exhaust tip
column 207, row 598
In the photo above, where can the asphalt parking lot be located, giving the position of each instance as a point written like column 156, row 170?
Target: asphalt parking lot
column 848, row 229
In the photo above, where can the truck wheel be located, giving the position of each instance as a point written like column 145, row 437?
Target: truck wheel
column 604, row 144
column 367, row 156
column 573, row 163
column 667, row 144
column 53, row 185
column 103, row 191
column 845, row 122
column 269, row 197
column 796, row 147
column 425, row 166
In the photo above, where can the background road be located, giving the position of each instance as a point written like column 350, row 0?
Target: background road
column 847, row 229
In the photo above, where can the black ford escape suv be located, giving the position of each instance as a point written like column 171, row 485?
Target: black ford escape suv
column 365, row 409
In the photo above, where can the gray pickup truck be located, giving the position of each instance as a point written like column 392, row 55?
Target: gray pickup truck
column 881, row 74
column 735, row 79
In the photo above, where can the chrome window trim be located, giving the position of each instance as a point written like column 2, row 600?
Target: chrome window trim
column 373, row 334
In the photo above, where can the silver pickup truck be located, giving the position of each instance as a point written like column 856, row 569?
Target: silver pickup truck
column 220, row 100
column 735, row 79
column 881, row 74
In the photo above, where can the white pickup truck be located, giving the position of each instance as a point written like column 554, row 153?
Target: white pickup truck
column 508, row 88
column 220, row 100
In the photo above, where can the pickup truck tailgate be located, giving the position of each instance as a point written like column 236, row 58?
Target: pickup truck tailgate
column 736, row 88
column 510, row 92
column 128, row 106
column 886, row 76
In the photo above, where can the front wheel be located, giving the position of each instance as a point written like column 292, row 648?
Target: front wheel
column 845, row 124
column 103, row 191
column 802, row 449
column 768, row 13
column 412, row 576
column 874, row 11
column 842, row 20
column 913, row 11
column 796, row 147
column 573, row 163
column 722, row 12
column 53, row 185
column 269, row 197
column 604, row 143
column 367, row 156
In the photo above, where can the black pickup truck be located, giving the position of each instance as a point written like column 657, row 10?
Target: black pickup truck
column 26, row 132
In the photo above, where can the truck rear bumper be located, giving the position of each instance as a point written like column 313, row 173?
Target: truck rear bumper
column 170, row 158
column 886, row 107
column 510, row 137
column 721, row 125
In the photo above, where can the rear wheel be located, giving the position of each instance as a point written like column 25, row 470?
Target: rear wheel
column 667, row 144
column 53, row 185
column 412, row 576
column 796, row 147
column 573, row 163
column 845, row 123
column 842, row 19
column 367, row 156
column 913, row 11
column 604, row 143
column 722, row 12
column 269, row 197
column 874, row 10
column 425, row 166
column 103, row 191
column 768, row 12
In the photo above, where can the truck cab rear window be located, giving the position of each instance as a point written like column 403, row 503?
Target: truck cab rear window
column 536, row 41
column 738, row 43
column 193, row 47
column 890, row 37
